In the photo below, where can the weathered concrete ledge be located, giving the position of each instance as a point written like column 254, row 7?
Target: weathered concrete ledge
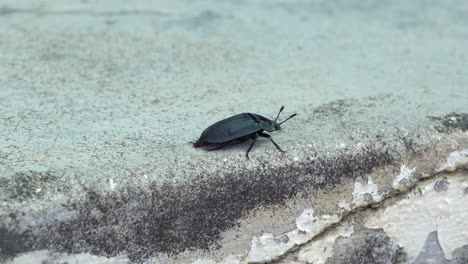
column 99, row 101
column 208, row 212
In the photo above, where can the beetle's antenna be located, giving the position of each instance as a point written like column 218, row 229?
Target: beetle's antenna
column 281, row 110
column 287, row 119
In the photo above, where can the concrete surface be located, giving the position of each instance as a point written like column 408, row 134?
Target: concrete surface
column 99, row 101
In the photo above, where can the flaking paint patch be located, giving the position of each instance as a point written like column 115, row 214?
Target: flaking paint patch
column 366, row 193
column 112, row 184
column 456, row 160
column 319, row 250
column 344, row 205
column 269, row 247
column 424, row 210
column 403, row 179
column 231, row 259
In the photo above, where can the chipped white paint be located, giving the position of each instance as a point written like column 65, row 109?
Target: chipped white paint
column 344, row 205
column 112, row 184
column 320, row 249
column 268, row 247
column 362, row 193
column 403, row 179
column 456, row 160
column 410, row 220
column 450, row 213
column 231, row 259
column 312, row 224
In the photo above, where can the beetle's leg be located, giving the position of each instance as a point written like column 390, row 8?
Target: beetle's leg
column 262, row 134
column 254, row 137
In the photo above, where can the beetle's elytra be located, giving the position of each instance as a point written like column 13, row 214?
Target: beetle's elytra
column 239, row 128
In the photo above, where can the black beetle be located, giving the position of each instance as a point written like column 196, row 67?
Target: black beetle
column 239, row 128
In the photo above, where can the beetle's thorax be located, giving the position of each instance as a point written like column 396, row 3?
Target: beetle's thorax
column 265, row 123
column 271, row 126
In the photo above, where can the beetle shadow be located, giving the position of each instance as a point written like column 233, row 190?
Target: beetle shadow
column 233, row 146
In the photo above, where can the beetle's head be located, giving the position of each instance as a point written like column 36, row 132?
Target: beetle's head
column 277, row 125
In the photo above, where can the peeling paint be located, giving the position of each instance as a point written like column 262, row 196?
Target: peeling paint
column 309, row 223
column 411, row 219
column 366, row 246
column 431, row 252
column 437, row 205
column 456, row 160
column 319, row 250
column 268, row 247
column 231, row 259
column 365, row 194
column 344, row 205
column 112, row 184
column 403, row 179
